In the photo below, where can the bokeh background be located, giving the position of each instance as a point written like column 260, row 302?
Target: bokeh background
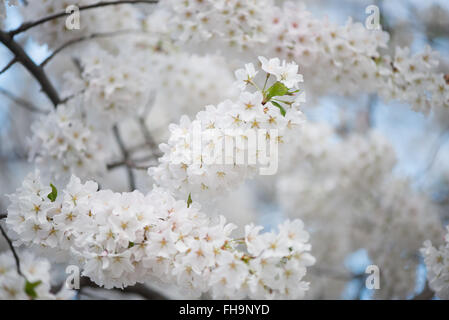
column 421, row 143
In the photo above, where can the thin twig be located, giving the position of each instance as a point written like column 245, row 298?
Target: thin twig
column 29, row 64
column 139, row 147
column 21, row 102
column 16, row 257
column 28, row 25
column 145, row 292
column 125, row 154
column 132, row 162
column 147, row 135
column 9, row 65
column 434, row 153
column 128, row 163
column 81, row 39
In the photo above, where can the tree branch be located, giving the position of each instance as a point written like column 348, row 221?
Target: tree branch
column 128, row 163
column 81, row 39
column 29, row 64
column 426, row 294
column 131, row 178
column 434, row 153
column 3, row 216
column 16, row 257
column 147, row 135
column 144, row 291
column 133, row 162
column 21, row 102
column 28, row 25
column 9, row 65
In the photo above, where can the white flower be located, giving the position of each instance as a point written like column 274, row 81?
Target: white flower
column 195, row 159
column 63, row 143
column 34, row 270
column 116, row 244
column 437, row 263
column 272, row 66
column 245, row 76
column 288, row 74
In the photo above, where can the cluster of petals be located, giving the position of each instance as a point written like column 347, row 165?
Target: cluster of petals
column 437, row 263
column 63, row 143
column 119, row 239
column 34, row 271
column 57, row 32
column 202, row 156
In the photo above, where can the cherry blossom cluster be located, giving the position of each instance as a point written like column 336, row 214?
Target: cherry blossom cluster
column 343, row 53
column 348, row 57
column 236, row 23
column 55, row 33
column 437, row 263
column 323, row 186
column 202, row 166
column 351, row 62
column 63, row 143
column 196, row 80
column 116, row 86
column 34, row 283
column 402, row 220
column 122, row 238
column 321, row 180
column 412, row 79
column 324, row 170
column 73, row 137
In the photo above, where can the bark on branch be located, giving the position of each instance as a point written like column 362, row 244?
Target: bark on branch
column 37, row 72
column 16, row 257
column 21, row 102
column 81, row 39
column 28, row 25
column 125, row 154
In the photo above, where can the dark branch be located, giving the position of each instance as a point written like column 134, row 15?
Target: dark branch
column 16, row 257
column 29, row 64
column 426, row 294
column 129, row 163
column 28, row 25
column 147, row 135
column 145, row 292
column 9, row 65
column 72, row 96
column 133, row 162
column 125, row 154
column 3, row 216
column 21, row 102
column 81, row 39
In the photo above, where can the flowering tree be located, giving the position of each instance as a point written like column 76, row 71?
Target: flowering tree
column 154, row 116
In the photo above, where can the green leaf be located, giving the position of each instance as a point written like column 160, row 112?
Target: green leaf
column 277, row 89
column 280, row 107
column 189, row 200
column 30, row 288
column 53, row 194
column 130, row 244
